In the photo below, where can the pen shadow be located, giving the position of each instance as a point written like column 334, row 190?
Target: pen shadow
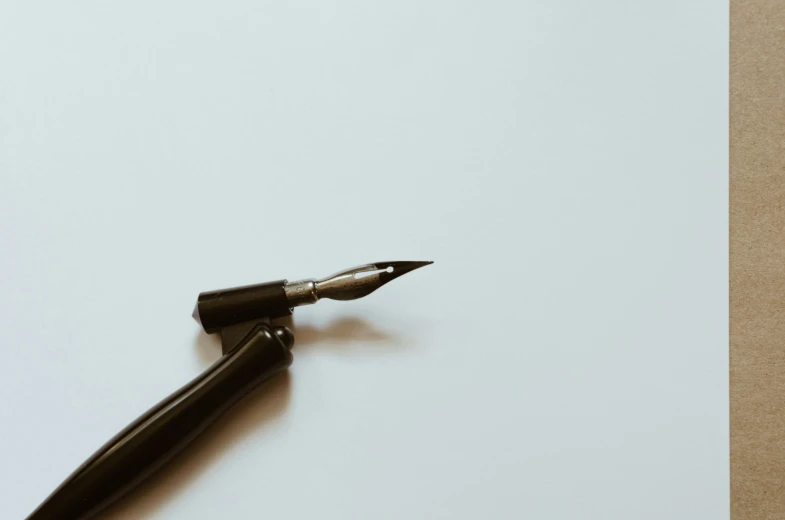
column 261, row 407
column 339, row 335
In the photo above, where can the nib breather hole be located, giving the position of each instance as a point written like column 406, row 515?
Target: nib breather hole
column 363, row 274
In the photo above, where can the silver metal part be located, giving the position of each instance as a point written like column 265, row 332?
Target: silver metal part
column 349, row 284
column 302, row 292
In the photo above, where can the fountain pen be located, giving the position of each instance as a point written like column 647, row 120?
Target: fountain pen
column 254, row 351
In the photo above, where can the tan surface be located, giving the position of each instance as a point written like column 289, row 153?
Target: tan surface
column 757, row 259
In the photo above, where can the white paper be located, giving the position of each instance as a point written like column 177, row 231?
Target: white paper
column 563, row 163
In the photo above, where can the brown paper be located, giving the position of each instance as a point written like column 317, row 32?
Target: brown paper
column 757, row 259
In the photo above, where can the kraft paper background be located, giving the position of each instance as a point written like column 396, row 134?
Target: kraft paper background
column 757, row 259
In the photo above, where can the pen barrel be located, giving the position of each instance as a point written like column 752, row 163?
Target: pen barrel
column 162, row 432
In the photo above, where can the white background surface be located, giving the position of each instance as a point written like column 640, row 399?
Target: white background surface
column 563, row 163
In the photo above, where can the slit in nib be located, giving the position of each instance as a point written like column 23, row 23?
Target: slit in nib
column 363, row 280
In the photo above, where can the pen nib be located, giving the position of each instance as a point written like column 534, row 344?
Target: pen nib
column 363, row 280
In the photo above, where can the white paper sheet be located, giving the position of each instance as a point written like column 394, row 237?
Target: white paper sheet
column 563, row 163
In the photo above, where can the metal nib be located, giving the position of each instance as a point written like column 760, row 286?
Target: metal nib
column 349, row 284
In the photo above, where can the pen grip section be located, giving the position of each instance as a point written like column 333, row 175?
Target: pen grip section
column 166, row 429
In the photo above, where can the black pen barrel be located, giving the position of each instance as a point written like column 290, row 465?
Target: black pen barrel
column 166, row 429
